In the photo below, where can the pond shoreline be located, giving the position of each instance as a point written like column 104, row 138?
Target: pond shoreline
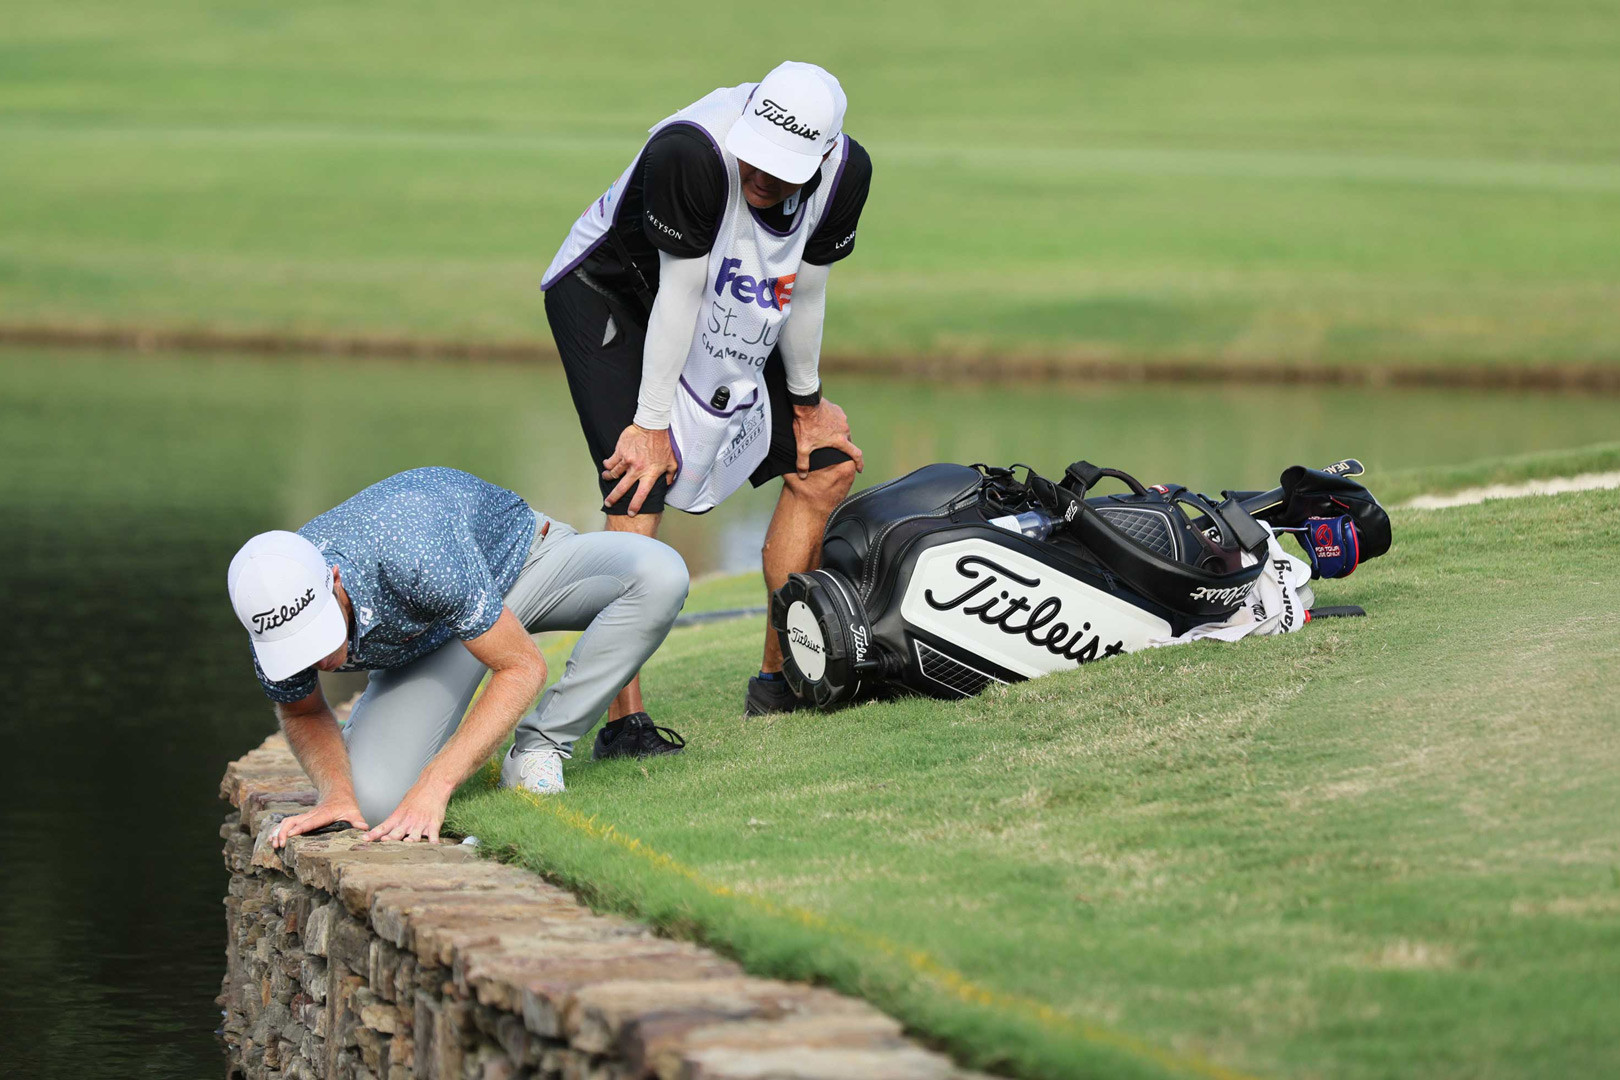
column 1588, row 378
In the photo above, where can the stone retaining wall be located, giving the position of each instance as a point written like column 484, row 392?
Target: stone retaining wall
column 386, row 961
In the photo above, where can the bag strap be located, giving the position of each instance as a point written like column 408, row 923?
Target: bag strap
column 1082, row 476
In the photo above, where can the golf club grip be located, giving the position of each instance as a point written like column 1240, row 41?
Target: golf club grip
column 1255, row 501
column 1338, row 611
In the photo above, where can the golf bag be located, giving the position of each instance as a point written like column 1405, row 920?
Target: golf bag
column 954, row 577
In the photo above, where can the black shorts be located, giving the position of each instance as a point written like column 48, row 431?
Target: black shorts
column 604, row 378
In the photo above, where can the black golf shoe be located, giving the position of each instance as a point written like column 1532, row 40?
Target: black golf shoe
column 635, row 736
column 766, row 696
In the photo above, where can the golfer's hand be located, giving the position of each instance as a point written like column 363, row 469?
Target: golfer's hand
column 417, row 817
column 819, row 425
column 641, row 457
column 340, row 808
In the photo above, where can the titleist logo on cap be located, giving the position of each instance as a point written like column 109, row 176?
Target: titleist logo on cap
column 279, row 616
column 773, row 113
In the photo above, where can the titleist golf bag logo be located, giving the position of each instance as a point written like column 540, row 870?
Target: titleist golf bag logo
column 1229, row 595
column 802, row 640
column 1039, row 627
column 772, row 113
column 280, row 616
column 858, row 636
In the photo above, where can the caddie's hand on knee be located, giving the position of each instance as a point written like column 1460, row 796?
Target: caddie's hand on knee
column 339, row 808
column 417, row 817
column 819, row 425
column 640, row 458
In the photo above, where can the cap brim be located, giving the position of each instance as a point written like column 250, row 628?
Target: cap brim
column 288, row 656
column 748, row 145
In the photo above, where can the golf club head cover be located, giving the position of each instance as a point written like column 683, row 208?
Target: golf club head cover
column 1309, row 494
column 1332, row 544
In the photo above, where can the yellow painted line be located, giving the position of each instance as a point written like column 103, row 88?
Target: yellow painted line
column 919, row 961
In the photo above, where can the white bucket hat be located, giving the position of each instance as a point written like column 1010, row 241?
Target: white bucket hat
column 281, row 589
column 792, row 119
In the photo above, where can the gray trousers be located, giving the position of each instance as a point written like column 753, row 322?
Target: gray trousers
column 621, row 589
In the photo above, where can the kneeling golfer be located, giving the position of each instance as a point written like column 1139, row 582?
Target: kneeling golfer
column 426, row 579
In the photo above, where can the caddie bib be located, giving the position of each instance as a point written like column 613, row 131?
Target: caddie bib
column 720, row 424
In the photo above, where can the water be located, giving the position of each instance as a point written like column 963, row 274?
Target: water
column 128, row 481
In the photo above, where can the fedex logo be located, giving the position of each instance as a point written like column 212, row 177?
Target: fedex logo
column 775, row 292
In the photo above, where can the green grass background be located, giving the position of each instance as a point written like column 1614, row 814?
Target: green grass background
column 1379, row 847
column 1387, row 183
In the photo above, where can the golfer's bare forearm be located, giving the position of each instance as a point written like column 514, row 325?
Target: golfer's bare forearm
column 496, row 713
column 317, row 742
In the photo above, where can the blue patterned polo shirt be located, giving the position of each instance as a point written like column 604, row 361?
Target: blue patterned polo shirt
column 425, row 555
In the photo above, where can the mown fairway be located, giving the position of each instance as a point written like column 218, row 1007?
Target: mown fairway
column 1377, row 848
column 1394, row 182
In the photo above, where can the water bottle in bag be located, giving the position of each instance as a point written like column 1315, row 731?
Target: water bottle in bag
column 1032, row 523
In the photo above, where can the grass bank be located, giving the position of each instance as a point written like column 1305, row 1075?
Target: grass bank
column 1380, row 847
column 1423, row 184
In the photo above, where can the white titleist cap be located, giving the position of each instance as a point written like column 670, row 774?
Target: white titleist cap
column 793, row 118
column 281, row 589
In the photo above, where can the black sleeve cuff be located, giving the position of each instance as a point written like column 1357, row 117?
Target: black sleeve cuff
column 812, row 398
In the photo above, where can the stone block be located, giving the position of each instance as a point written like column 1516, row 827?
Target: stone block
column 340, row 1021
column 395, row 910
column 349, row 943
column 373, row 1046
column 253, row 793
column 381, row 1016
column 543, row 986
column 382, row 963
column 405, row 978
column 489, row 1063
column 312, row 974
column 419, row 868
column 265, row 812
column 318, row 931
column 319, row 861
column 238, row 854
column 819, row 1063
column 445, row 1058
column 670, row 1054
column 282, row 987
column 424, row 1026
column 402, row 1051
column 518, row 1043
column 609, row 1017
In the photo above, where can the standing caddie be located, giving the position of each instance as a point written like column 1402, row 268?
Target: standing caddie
column 427, row 580
column 687, row 305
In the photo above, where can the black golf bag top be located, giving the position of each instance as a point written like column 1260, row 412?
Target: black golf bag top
column 954, row 576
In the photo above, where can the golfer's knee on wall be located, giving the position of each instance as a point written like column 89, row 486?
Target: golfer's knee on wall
column 379, row 792
column 824, row 488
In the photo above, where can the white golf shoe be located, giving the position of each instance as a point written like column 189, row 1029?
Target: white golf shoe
column 538, row 770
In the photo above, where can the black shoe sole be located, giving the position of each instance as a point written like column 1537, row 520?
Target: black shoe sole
column 597, row 754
